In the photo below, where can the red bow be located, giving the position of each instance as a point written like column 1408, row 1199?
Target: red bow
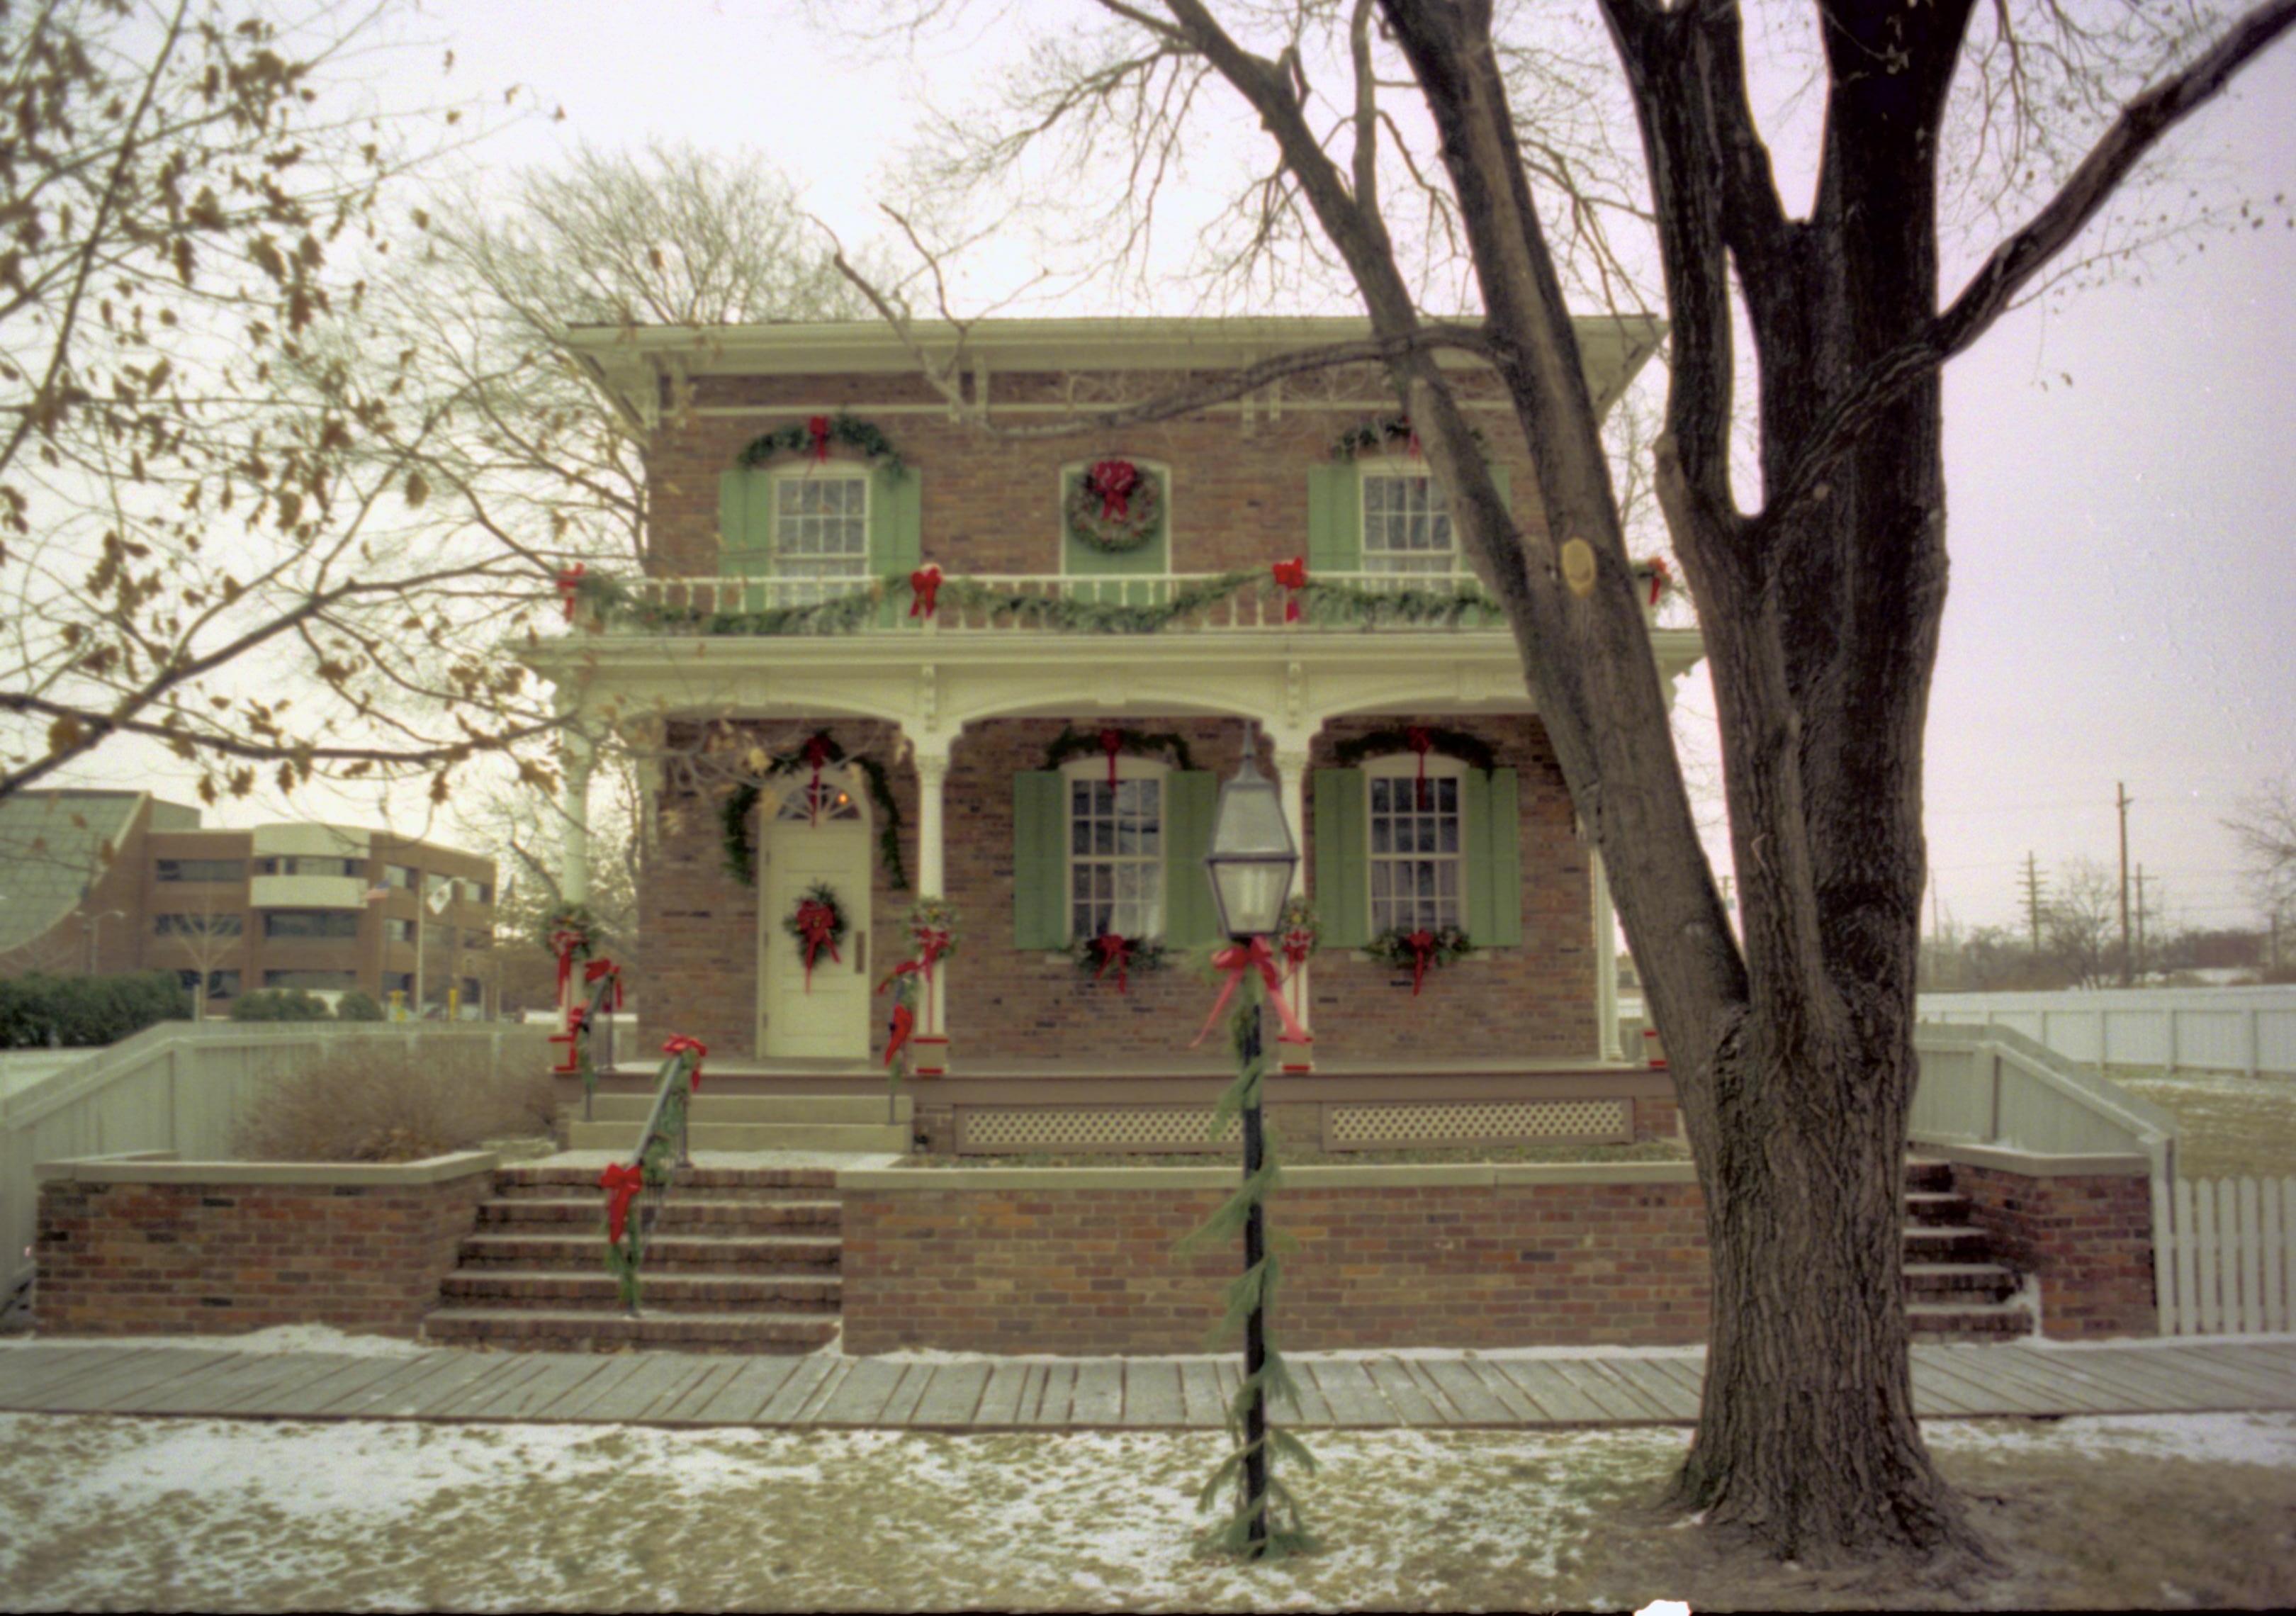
column 817, row 427
column 1418, row 740
column 1237, row 959
column 569, row 585
column 1422, row 945
column 1292, row 575
column 564, row 943
column 598, row 968
column 1411, row 437
column 683, row 1045
column 924, row 591
column 817, row 752
column 622, row 1181
column 1661, row 575
column 1297, row 945
column 1112, row 742
column 1113, row 481
column 1113, row 950
column 931, row 943
column 817, row 925
column 904, row 1022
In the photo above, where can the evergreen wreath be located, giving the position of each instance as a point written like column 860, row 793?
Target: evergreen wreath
column 1115, row 507
column 741, row 852
column 1473, row 751
column 1072, row 743
column 1297, row 932
column 1437, row 947
column 818, row 898
column 937, row 916
column 1140, row 955
column 813, row 436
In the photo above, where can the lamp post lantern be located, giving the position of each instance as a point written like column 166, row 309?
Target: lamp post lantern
column 1251, row 866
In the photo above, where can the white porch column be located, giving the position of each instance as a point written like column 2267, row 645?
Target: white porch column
column 1290, row 752
column 577, row 756
column 932, row 778
column 1606, row 961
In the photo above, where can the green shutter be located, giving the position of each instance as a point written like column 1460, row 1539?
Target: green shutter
column 745, row 524
column 1040, row 918
column 1081, row 559
column 1190, row 917
column 1342, row 893
column 895, row 535
column 1334, row 519
column 1493, row 835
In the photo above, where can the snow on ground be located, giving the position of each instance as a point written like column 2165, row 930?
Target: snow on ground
column 279, row 1338
column 132, row 1513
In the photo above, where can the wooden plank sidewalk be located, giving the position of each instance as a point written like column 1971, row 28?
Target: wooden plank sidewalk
column 1369, row 1391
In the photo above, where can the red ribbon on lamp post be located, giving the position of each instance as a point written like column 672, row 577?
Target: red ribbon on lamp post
column 1253, row 956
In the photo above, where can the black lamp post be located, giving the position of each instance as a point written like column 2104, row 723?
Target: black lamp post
column 1250, row 864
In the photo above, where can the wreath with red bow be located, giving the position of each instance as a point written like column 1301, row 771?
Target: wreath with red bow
column 1115, row 507
column 1419, row 949
column 818, row 924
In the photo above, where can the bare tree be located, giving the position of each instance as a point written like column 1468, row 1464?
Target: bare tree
column 2267, row 832
column 1821, row 599
column 206, row 933
column 2081, row 928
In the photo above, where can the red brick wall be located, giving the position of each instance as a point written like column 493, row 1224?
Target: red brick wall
column 696, row 971
column 223, row 1258
column 2087, row 1240
column 1092, row 1270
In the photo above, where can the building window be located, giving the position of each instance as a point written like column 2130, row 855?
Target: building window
column 1116, row 849
column 474, row 992
column 309, row 866
column 399, row 930
column 310, row 923
column 821, row 524
column 398, row 982
column 198, row 925
column 1406, row 522
column 484, row 891
column 221, row 984
column 1418, row 871
column 312, row 982
column 200, row 869
column 400, row 876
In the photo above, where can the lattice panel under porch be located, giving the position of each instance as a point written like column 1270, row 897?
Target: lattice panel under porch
column 983, row 1130
column 1476, row 1122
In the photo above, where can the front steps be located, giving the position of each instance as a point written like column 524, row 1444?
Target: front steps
column 743, row 1260
column 756, row 1122
column 1954, row 1291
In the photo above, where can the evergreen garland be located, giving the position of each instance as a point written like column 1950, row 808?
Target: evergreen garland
column 799, row 437
column 1072, row 743
column 1370, row 437
column 1473, row 751
column 734, row 813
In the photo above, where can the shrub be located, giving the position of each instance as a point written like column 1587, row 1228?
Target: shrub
column 384, row 1101
column 357, row 1006
column 79, row 1012
column 280, row 1004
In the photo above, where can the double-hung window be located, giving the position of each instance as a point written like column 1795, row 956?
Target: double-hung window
column 1115, row 848
column 821, row 527
column 1418, row 875
column 1407, row 520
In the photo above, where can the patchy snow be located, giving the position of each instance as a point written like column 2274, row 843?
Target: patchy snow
column 2210, row 1438
column 278, row 1338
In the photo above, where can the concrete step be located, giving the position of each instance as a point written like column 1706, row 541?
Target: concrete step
column 798, row 1256
column 1936, row 1207
column 863, row 1109
column 709, row 1183
column 1926, row 1282
column 847, row 1136
column 684, row 1294
column 1962, row 1321
column 679, row 1212
column 575, row 1331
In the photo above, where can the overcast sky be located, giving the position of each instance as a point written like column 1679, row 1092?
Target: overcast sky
column 2121, row 469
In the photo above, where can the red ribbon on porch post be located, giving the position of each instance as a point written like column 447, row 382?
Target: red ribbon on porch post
column 1660, row 576
column 816, row 924
column 570, row 585
column 598, row 968
column 1112, row 742
column 1422, row 945
column 924, row 591
column 1235, row 960
column 1113, row 481
column 1292, row 576
column 563, row 943
column 817, row 752
column 1297, row 945
column 1113, row 950
column 904, row 1022
column 622, row 1181
column 933, row 942
column 683, row 1045
column 817, row 427
column 1418, row 739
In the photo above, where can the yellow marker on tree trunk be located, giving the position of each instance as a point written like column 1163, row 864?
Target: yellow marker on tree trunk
column 1579, row 567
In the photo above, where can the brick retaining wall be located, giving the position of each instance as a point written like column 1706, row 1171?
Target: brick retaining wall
column 2086, row 1237
column 162, row 1248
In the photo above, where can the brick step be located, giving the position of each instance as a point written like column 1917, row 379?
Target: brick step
column 792, row 1255
column 732, row 1183
column 1935, row 1208
column 1922, row 1173
column 569, row 1330
column 875, row 1138
column 1968, row 1321
column 1946, row 1243
column 865, row 1111
column 1956, row 1280
column 682, row 1294
column 679, row 1212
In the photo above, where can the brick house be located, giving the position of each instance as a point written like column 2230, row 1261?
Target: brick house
column 801, row 475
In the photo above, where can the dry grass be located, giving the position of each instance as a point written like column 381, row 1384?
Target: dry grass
column 384, row 1105
column 2227, row 1126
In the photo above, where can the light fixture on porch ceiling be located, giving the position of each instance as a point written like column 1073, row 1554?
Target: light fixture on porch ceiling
column 1252, row 856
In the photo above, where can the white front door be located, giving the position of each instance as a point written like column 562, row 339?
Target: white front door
column 829, row 1020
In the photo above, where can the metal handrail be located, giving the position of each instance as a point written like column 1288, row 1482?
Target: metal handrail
column 666, row 1120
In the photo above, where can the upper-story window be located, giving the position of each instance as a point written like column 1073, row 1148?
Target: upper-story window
column 821, row 523
column 1407, row 520
column 1418, row 859
column 200, row 869
column 311, row 923
column 1115, row 848
column 306, row 865
column 400, row 876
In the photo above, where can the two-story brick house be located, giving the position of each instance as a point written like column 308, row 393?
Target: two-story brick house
column 1103, row 589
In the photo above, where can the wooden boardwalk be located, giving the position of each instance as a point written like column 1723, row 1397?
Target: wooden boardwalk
column 1456, row 1392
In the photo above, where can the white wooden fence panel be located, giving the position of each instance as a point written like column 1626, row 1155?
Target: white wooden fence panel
column 2251, row 1031
column 2224, row 1255
column 2274, row 1213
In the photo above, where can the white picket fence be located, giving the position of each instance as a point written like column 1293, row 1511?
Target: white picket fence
column 2224, row 1255
column 2248, row 1030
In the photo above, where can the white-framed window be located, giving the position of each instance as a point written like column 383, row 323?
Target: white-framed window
column 1417, row 843
column 1115, row 847
column 1407, row 520
column 833, row 799
column 821, row 522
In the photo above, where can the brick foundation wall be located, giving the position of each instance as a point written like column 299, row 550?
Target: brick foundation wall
column 1091, row 1270
column 223, row 1257
column 2087, row 1240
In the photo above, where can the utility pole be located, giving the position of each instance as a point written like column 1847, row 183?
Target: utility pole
column 2140, row 917
column 2121, row 799
column 2033, row 901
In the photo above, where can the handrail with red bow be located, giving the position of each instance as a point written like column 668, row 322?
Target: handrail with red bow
column 650, row 1173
